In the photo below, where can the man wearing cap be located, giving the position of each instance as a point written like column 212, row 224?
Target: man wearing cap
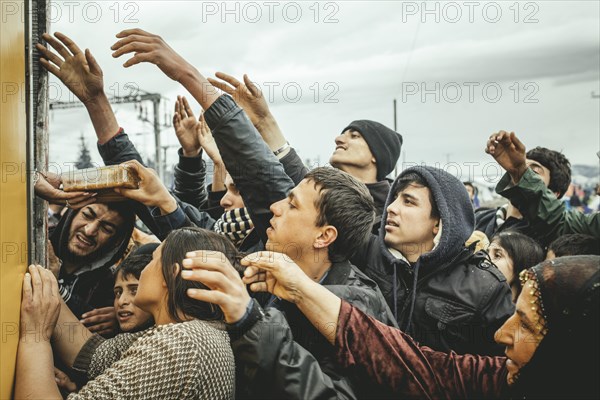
column 368, row 151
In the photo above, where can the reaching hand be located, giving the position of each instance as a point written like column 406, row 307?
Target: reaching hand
column 151, row 191
column 215, row 271
column 101, row 320
column 275, row 273
column 509, row 152
column 149, row 48
column 207, row 141
column 40, row 305
column 47, row 187
column 186, row 127
column 246, row 95
column 80, row 72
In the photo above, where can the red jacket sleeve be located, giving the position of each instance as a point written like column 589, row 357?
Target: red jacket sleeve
column 395, row 363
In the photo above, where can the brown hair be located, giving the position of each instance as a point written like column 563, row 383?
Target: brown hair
column 175, row 247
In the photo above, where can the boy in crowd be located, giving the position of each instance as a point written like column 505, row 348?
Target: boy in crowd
column 130, row 317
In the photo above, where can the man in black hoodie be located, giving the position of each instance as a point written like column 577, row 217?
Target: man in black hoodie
column 88, row 242
column 442, row 293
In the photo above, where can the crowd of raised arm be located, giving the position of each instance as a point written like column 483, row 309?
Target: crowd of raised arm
column 276, row 281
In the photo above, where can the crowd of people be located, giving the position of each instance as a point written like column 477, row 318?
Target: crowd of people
column 276, row 281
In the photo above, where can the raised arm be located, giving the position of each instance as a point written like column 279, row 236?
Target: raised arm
column 547, row 216
column 82, row 75
column 252, row 165
column 249, row 97
column 385, row 354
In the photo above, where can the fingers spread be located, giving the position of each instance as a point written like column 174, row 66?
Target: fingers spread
column 137, row 47
column 228, row 78
column 221, row 85
column 49, row 54
column 58, row 46
column 71, row 45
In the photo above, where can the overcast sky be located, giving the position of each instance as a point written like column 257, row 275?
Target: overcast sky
column 459, row 71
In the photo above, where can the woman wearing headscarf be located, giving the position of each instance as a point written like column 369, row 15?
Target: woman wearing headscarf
column 552, row 346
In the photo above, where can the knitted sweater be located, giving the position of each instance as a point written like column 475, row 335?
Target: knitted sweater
column 188, row 360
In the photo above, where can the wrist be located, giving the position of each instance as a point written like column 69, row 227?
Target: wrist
column 266, row 120
column 167, row 205
column 517, row 173
column 190, row 152
column 99, row 100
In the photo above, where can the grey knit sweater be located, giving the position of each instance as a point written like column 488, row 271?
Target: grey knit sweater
column 188, row 360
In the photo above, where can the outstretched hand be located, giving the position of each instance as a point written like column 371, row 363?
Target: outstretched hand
column 79, row 71
column 275, row 273
column 151, row 191
column 47, row 187
column 40, row 305
column 227, row 290
column 509, row 152
column 150, row 48
column 246, row 94
column 186, row 127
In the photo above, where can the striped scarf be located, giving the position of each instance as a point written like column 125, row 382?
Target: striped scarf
column 235, row 224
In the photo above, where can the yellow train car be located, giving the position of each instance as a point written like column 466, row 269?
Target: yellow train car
column 22, row 143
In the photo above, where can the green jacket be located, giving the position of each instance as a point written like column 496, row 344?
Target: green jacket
column 547, row 215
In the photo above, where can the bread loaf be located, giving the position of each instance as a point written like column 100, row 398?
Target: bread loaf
column 101, row 180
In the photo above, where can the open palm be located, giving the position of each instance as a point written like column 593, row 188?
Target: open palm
column 79, row 71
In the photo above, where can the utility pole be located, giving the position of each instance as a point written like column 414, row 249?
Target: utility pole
column 138, row 98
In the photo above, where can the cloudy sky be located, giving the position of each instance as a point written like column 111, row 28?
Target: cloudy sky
column 459, row 71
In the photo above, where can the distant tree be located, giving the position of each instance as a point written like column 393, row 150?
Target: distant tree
column 84, row 161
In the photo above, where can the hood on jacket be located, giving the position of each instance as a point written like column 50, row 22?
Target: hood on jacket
column 59, row 238
column 455, row 210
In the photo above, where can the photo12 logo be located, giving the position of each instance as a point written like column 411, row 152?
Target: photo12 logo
column 455, row 92
column 76, row 11
column 269, row 11
column 470, row 11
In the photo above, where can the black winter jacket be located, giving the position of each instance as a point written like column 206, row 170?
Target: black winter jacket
column 451, row 298
column 278, row 365
column 283, row 356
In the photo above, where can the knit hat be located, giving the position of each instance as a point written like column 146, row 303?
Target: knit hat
column 384, row 143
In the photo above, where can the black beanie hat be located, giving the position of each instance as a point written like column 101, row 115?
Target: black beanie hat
column 384, row 143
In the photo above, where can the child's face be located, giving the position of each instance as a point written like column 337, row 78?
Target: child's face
column 130, row 317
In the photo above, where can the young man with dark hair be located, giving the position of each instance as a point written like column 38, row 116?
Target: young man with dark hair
column 442, row 293
column 575, row 244
column 88, row 242
column 292, row 361
column 527, row 187
column 553, row 168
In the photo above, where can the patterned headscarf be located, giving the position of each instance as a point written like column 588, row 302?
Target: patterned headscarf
column 566, row 364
